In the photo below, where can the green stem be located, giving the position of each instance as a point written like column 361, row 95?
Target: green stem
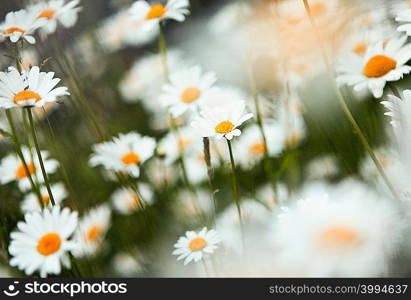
column 162, row 47
column 17, row 145
column 344, row 106
column 36, row 144
column 235, row 187
column 210, row 173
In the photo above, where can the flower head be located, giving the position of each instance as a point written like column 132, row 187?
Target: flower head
column 32, row 88
column 127, row 201
column 194, row 246
column 42, row 242
column 56, row 11
column 381, row 63
column 124, row 153
column 12, row 168
column 21, row 24
column 187, row 89
column 31, row 202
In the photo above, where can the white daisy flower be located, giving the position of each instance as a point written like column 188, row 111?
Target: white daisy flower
column 325, row 166
column 191, row 205
column 124, row 153
column 221, row 114
column 250, row 149
column 153, row 14
column 56, row 11
column 21, row 24
column 404, row 16
column 31, row 202
column 271, row 198
column 345, row 230
column 382, row 62
column 128, row 264
column 42, row 243
column 187, row 89
column 126, row 201
column 195, row 246
column 92, row 230
column 12, row 169
column 33, row 88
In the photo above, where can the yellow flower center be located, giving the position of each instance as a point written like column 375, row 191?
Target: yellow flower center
column 131, row 158
column 45, row 199
column 317, row 9
column 93, row 233
column 49, row 244
column 360, row 48
column 47, row 13
column 339, row 238
column 292, row 140
column 156, row 11
column 12, row 30
column 134, row 202
column 197, row 244
column 224, row 127
column 21, row 170
column 257, row 149
column 190, row 94
column 26, row 95
column 378, row 66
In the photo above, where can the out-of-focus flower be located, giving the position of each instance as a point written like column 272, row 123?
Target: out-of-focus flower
column 29, row 58
column 43, row 241
column 405, row 17
column 187, row 89
column 196, row 246
column 161, row 174
column 270, row 197
column 31, row 202
column 21, row 24
column 126, row 201
column 124, row 153
column 54, row 12
column 123, row 30
column 228, row 17
column 382, row 62
column 343, row 230
column 153, row 14
column 128, row 264
column 12, row 169
column 194, row 205
column 250, row 148
column 322, row 167
column 221, row 118
column 92, row 230
column 33, row 88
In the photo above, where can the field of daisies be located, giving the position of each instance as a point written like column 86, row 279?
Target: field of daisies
column 205, row 138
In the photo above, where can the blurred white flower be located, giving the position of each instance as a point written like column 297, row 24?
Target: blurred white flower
column 187, row 89
column 42, row 242
column 382, row 63
column 345, row 230
column 31, row 202
column 12, row 169
column 125, row 153
column 128, row 263
column 21, row 24
column 191, row 205
column 91, row 230
column 322, row 167
column 54, row 12
column 196, row 246
column 126, row 201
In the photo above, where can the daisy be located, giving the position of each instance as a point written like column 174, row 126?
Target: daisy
column 124, row 153
column 12, row 169
column 193, row 205
column 196, row 246
column 128, row 264
column 405, row 17
column 382, row 62
column 21, row 24
column 126, row 201
column 56, row 11
column 31, row 203
column 221, row 116
column 153, row 14
column 187, row 88
column 42, row 242
column 344, row 230
column 92, row 230
column 33, row 88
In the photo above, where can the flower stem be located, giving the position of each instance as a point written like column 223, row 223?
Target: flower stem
column 344, row 106
column 162, row 47
column 210, row 173
column 36, row 145
column 17, row 145
column 235, row 188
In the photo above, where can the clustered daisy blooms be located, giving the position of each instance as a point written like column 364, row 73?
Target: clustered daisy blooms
column 195, row 246
column 28, row 89
column 21, row 25
column 42, row 242
column 383, row 62
column 124, row 153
